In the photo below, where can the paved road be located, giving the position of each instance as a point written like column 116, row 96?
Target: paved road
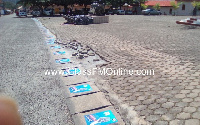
column 24, row 58
column 172, row 95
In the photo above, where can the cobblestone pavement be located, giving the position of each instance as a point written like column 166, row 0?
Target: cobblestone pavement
column 24, row 58
column 172, row 95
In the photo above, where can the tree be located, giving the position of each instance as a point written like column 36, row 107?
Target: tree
column 144, row 6
column 175, row 6
column 156, row 6
column 114, row 3
column 9, row 5
column 64, row 3
column 141, row 3
column 39, row 4
column 32, row 3
column 83, row 2
column 196, row 6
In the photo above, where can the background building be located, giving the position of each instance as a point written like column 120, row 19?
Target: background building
column 185, row 9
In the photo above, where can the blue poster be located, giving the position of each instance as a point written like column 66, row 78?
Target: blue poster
column 80, row 88
column 101, row 118
column 74, row 71
column 62, row 60
column 55, row 47
column 50, row 42
column 49, row 36
column 59, row 53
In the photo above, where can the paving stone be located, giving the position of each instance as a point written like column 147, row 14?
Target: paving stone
column 175, row 110
column 197, row 99
column 195, row 104
column 198, row 109
column 168, row 117
column 183, row 115
column 174, row 100
column 148, row 101
column 178, row 88
column 140, row 107
column 185, row 91
column 194, row 83
column 175, row 63
column 192, row 122
column 161, row 123
column 135, row 103
column 161, row 100
column 168, row 105
column 155, row 96
column 146, row 112
column 168, row 95
column 176, row 122
column 154, row 106
column 190, row 87
column 198, row 87
column 189, row 109
column 168, row 88
column 160, row 111
column 196, row 115
column 141, row 98
column 187, row 100
column 180, row 96
column 161, row 92
column 192, row 95
column 196, row 90
column 181, row 104
column 126, row 94
column 152, row 118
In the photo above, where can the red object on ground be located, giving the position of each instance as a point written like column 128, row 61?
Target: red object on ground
column 188, row 22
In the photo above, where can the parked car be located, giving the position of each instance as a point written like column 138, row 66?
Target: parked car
column 110, row 12
column 8, row 12
column 121, row 12
column 21, row 13
column 47, row 11
column 115, row 12
column 36, row 12
column 129, row 12
column 151, row 12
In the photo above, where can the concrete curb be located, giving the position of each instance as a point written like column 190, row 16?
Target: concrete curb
column 80, row 104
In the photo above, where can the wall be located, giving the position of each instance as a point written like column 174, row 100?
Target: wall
column 166, row 10
column 188, row 9
column 187, row 12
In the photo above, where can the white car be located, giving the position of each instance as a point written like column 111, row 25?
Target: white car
column 36, row 12
column 22, row 13
column 120, row 12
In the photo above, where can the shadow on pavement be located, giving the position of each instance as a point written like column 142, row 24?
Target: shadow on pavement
column 29, row 16
column 187, row 27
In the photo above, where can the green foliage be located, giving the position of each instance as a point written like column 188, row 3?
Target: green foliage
column 157, row 6
column 114, row 3
column 196, row 4
column 99, row 11
column 144, row 6
column 9, row 5
column 118, row 3
column 175, row 5
column 83, row 2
